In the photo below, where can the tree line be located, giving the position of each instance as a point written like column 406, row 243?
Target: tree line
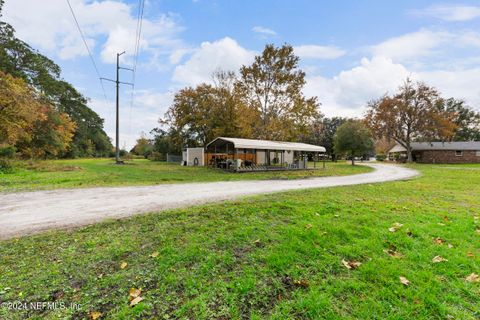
column 42, row 115
column 265, row 101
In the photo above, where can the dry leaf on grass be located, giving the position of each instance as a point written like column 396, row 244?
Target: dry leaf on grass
column 308, row 226
column 473, row 278
column 154, row 254
column 393, row 253
column 470, row 254
column 450, row 245
column 94, row 315
column 134, row 293
column 135, row 301
column 404, row 281
column 438, row 259
column 395, row 227
column 301, row 283
column 351, row 264
column 439, row 241
column 446, row 218
column 123, row 265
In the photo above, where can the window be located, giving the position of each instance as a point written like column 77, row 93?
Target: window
column 458, row 153
column 478, row 153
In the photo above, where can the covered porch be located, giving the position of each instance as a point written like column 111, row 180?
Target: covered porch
column 246, row 155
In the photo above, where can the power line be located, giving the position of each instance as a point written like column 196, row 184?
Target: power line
column 138, row 36
column 88, row 49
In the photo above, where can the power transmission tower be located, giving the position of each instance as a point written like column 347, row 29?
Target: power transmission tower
column 118, row 82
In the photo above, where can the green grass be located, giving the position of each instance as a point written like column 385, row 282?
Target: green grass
column 275, row 256
column 102, row 172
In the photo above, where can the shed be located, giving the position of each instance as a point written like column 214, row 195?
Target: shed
column 249, row 154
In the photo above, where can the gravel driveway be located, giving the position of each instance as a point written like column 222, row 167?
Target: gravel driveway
column 30, row 212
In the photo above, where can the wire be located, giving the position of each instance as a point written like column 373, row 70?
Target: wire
column 138, row 36
column 88, row 49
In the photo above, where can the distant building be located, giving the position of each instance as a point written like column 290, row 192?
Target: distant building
column 439, row 152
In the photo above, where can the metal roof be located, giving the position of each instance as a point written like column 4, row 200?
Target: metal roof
column 454, row 145
column 270, row 145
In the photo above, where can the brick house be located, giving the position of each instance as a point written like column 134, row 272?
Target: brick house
column 439, row 152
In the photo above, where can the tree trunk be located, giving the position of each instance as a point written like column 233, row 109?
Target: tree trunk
column 409, row 153
column 353, row 159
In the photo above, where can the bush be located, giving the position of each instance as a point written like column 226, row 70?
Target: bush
column 6, row 166
column 157, row 156
column 7, row 152
column 380, row 157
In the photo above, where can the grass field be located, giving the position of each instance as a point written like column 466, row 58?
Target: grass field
column 102, row 172
column 275, row 256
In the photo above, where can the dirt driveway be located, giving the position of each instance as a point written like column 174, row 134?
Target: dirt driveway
column 30, row 212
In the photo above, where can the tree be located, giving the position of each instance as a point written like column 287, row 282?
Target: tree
column 200, row 114
column 411, row 114
column 466, row 120
column 353, row 138
column 143, row 146
column 272, row 88
column 20, row 60
column 17, row 110
column 322, row 132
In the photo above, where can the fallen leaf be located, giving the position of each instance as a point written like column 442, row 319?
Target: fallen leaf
column 473, row 278
column 446, row 218
column 478, row 231
column 410, row 233
column 470, row 254
column 393, row 253
column 94, row 315
column 405, row 281
column 308, row 226
column 154, row 254
column 123, row 265
column 301, row 283
column 135, row 301
column 351, row 264
column 134, row 293
column 450, row 245
column 395, row 227
column 438, row 259
column 439, row 241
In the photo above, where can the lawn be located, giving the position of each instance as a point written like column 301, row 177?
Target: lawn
column 276, row 256
column 102, row 172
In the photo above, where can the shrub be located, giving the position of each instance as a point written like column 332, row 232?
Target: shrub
column 6, row 166
column 380, row 157
column 7, row 152
column 157, row 156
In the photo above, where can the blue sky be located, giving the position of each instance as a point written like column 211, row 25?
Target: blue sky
column 352, row 51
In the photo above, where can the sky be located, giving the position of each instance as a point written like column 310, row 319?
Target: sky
column 352, row 51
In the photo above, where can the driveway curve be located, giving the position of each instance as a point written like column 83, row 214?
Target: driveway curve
column 30, row 212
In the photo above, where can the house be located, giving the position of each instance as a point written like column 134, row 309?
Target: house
column 259, row 155
column 440, row 152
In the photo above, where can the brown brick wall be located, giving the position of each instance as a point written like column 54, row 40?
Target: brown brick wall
column 446, row 156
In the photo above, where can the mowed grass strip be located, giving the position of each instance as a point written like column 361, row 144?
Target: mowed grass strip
column 80, row 173
column 268, row 257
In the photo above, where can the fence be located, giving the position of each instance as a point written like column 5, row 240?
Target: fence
column 174, row 158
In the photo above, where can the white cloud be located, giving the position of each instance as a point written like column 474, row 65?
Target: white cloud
column 224, row 54
column 49, row 26
column 264, row 32
column 348, row 92
column 318, row 52
column 411, row 45
column 450, row 12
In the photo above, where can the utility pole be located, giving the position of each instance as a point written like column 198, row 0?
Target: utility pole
column 117, row 121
